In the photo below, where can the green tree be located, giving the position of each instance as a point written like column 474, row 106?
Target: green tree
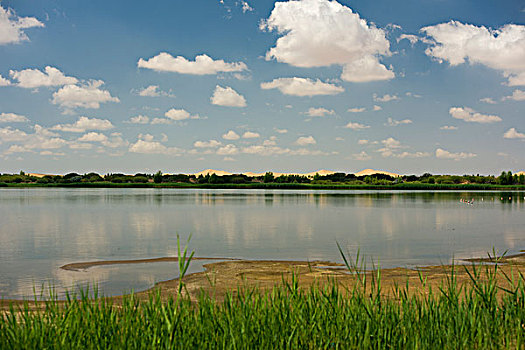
column 157, row 178
column 268, row 177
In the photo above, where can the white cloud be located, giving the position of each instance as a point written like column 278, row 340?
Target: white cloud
column 385, row 98
column 12, row 118
column 228, row 159
column 377, row 108
column 305, row 140
column 265, row 150
column 152, row 91
column 448, row 127
column 270, row 142
column 83, row 124
column 12, row 135
column 203, row 65
column 228, row 150
column 180, row 114
column 393, row 122
column 302, row 87
column 42, row 138
column 339, row 138
column 226, row 96
column 320, row 33
column 441, row 153
column 410, row 37
column 139, row 119
column 153, row 147
column 512, row 133
column 12, row 27
column 356, row 126
column 34, row 78
column 84, row 96
column 231, row 135
column 281, row 131
column 246, row 7
column 362, row 142
column 488, row 100
column 391, row 143
column 356, row 109
column 319, row 112
column 166, row 121
column 403, row 155
column 93, row 137
column 501, row 49
column 250, row 135
column 411, row 94
column 517, row 95
column 207, row 144
column 4, row 81
column 470, row 115
column 361, row 156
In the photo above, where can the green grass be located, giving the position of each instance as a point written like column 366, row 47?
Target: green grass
column 324, row 316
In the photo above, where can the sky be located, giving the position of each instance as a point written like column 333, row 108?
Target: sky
column 287, row 86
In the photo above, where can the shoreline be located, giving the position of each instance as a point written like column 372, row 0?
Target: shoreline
column 227, row 276
column 275, row 186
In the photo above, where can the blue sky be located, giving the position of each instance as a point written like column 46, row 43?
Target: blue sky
column 180, row 86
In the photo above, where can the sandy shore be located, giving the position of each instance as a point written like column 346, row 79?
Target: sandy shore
column 227, row 276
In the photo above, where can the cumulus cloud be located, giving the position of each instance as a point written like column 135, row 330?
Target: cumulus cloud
column 34, row 78
column 250, row 135
column 362, row 142
column 92, row 137
column 41, row 139
column 280, row 131
column 512, row 133
column 469, row 115
column 265, row 150
column 226, row 96
column 231, row 135
column 152, row 91
column 4, row 81
column 319, row 112
column 139, row 119
column 356, row 126
column 228, row 150
column 203, row 65
column 356, row 109
column 502, row 49
column 88, row 95
column 361, row 156
column 83, row 124
column 175, row 115
column 207, row 144
column 153, row 147
column 246, row 7
column 517, row 95
column 448, row 127
column 393, row 122
column 305, row 140
column 377, row 108
column 302, row 87
column 12, row 26
column 319, row 33
column 410, row 37
column 12, row 118
column 385, row 98
column 441, row 153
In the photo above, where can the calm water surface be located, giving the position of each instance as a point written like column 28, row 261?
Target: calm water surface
column 43, row 229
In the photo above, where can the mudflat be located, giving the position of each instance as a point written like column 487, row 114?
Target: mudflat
column 230, row 276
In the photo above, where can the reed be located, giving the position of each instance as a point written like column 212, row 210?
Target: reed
column 482, row 316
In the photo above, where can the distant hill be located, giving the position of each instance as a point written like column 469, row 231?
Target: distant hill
column 368, row 172
column 322, row 172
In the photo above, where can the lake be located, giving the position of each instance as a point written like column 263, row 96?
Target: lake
column 42, row 229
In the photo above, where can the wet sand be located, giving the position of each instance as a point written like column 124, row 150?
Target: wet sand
column 227, row 276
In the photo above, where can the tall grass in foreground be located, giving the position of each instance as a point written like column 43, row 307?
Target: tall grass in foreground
column 323, row 316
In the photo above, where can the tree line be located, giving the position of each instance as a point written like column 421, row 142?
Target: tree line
column 506, row 178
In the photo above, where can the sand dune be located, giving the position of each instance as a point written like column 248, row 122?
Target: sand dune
column 367, row 172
